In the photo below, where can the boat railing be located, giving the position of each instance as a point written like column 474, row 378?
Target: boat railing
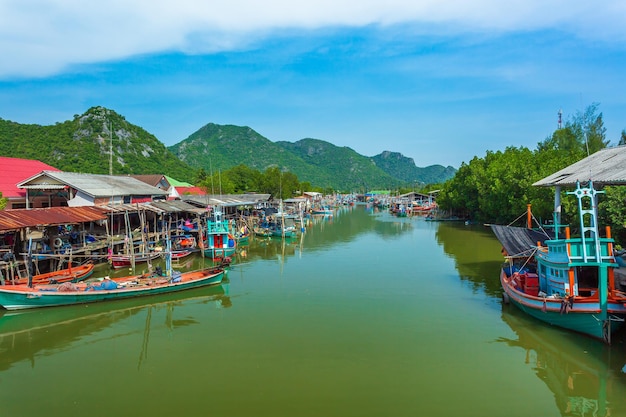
column 218, row 227
column 578, row 250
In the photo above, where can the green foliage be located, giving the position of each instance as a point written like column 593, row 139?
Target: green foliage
column 611, row 211
column 84, row 143
column 497, row 187
column 404, row 169
column 313, row 161
column 3, row 202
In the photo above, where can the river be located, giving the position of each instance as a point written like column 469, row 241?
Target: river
column 365, row 315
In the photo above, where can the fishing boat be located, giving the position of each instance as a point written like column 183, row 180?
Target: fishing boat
column 284, row 225
column 183, row 242
column 262, row 231
column 72, row 273
column 126, row 261
column 564, row 280
column 177, row 255
column 242, row 235
column 220, row 243
column 323, row 211
column 20, row 297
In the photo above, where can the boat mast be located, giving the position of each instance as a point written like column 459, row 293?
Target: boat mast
column 111, row 148
column 588, row 217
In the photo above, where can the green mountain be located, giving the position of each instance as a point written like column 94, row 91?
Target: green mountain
column 341, row 167
column 403, row 168
column 219, row 147
column 84, row 143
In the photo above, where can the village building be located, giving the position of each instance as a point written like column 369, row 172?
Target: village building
column 15, row 170
column 77, row 189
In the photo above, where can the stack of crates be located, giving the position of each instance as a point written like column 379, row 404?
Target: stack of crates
column 531, row 284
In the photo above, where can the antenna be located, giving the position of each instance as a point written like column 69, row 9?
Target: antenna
column 560, row 118
column 110, row 148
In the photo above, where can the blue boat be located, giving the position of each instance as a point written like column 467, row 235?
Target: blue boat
column 564, row 280
column 219, row 243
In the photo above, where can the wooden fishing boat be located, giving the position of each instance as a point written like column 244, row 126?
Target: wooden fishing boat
column 74, row 273
column 20, row 297
column 180, row 254
column 323, row 211
column 126, row 261
column 564, row 280
column 262, row 231
column 183, row 242
column 220, row 243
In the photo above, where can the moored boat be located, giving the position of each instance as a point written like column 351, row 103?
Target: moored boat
column 220, row 243
column 563, row 280
column 74, row 273
column 126, row 261
column 20, row 297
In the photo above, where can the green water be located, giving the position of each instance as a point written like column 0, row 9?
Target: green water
column 365, row 315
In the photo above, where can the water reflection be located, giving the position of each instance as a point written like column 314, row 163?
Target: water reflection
column 577, row 370
column 476, row 253
column 29, row 334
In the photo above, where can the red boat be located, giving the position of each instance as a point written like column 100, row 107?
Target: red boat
column 125, row 261
column 73, row 273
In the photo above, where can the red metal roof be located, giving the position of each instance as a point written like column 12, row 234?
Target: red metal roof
column 21, row 218
column 190, row 191
column 16, row 170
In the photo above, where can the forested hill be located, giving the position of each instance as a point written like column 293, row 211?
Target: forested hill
column 403, row 168
column 317, row 162
column 83, row 145
column 312, row 160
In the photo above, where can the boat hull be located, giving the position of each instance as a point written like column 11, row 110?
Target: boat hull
column 219, row 253
column 582, row 316
column 20, row 297
column 124, row 261
column 77, row 273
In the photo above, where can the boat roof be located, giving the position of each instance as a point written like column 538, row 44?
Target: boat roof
column 519, row 241
column 605, row 167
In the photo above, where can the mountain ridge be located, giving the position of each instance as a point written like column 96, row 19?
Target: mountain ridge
column 83, row 145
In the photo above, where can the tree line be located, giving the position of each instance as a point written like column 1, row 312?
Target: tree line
column 497, row 187
column 243, row 179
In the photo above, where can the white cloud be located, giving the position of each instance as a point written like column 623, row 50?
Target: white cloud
column 42, row 37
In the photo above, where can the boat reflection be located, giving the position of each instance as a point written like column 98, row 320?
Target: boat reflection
column 577, row 370
column 28, row 334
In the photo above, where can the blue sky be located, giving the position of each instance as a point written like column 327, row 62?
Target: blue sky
column 439, row 81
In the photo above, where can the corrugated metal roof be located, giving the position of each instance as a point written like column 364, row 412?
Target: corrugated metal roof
column 605, row 167
column 21, row 218
column 174, row 206
column 94, row 185
column 227, row 200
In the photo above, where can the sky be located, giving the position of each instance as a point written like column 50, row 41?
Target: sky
column 439, row 81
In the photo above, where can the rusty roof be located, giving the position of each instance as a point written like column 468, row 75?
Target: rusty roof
column 20, row 218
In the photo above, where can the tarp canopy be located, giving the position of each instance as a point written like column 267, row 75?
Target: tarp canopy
column 519, row 241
